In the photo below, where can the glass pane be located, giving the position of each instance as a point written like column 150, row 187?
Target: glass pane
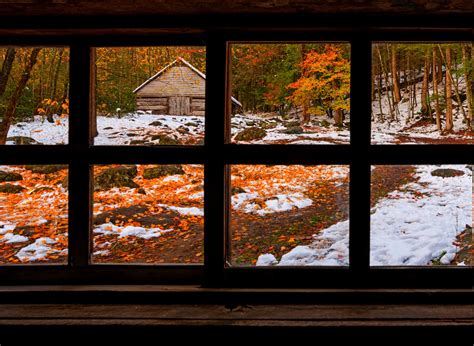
column 34, row 95
column 421, row 215
column 290, row 215
column 290, row 93
column 422, row 93
column 33, row 214
column 150, row 96
column 148, row 214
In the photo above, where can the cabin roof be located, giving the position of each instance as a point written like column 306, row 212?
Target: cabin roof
column 178, row 59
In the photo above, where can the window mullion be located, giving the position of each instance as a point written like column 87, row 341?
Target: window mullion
column 79, row 170
column 359, row 235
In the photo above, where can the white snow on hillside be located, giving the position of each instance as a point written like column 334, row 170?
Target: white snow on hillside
column 411, row 226
column 389, row 132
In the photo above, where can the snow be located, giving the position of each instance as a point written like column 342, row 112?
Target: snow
column 42, row 130
column 6, row 227
column 185, row 210
column 140, row 232
column 13, row 238
column 37, row 250
column 411, row 226
column 266, row 260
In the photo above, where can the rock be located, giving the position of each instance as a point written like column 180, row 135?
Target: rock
column 155, row 123
column 10, row 188
column 250, row 134
column 9, row 176
column 191, row 124
column 291, row 123
column 45, row 169
column 141, row 191
column 121, row 176
column 23, row 140
column 268, row 125
column 165, row 140
column 325, row 123
column 236, row 189
column 120, row 214
column 293, row 130
column 447, row 173
column 138, row 142
column 182, row 129
column 161, row 171
column 108, row 128
column 131, row 134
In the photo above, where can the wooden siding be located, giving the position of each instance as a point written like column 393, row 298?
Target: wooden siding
column 175, row 81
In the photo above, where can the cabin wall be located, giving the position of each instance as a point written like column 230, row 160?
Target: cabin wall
column 175, row 81
column 161, row 105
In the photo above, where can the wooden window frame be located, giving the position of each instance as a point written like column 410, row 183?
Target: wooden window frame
column 216, row 154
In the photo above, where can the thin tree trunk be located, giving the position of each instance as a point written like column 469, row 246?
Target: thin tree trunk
column 466, row 59
column 435, row 93
column 6, row 69
column 449, row 102
column 424, row 89
column 13, row 102
column 396, row 86
column 386, row 81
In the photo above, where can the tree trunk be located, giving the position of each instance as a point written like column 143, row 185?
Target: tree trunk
column 466, row 59
column 396, row 85
column 6, row 69
column 449, row 102
column 435, row 93
column 338, row 117
column 13, row 102
column 386, row 82
column 425, row 108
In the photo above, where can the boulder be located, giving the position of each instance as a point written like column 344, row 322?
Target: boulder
column 293, row 130
column 45, row 169
column 155, row 123
column 251, row 134
column 9, row 176
column 447, row 173
column 10, row 188
column 165, row 140
column 236, row 190
column 121, row 176
column 161, row 171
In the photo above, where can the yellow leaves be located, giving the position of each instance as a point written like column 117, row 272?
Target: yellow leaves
column 40, row 111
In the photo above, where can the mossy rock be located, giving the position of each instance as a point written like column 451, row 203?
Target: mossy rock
column 294, row 130
column 9, row 176
column 294, row 123
column 161, row 171
column 138, row 142
column 45, row 169
column 165, row 140
column 182, row 129
column 10, row 188
column 191, row 124
column 447, row 173
column 121, row 176
column 269, row 125
column 251, row 134
column 155, row 123
column 325, row 123
column 23, row 140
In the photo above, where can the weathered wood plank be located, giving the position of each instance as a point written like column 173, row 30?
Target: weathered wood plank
column 153, row 108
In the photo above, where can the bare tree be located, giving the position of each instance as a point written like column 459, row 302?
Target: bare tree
column 6, row 69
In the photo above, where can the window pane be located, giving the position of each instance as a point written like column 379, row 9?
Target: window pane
column 422, row 93
column 150, row 96
column 421, row 215
column 33, row 214
column 34, row 95
column 148, row 214
column 290, row 93
column 290, row 215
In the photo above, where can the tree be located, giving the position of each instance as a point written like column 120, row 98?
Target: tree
column 425, row 104
column 323, row 85
column 435, row 92
column 466, row 60
column 14, row 99
column 395, row 78
column 6, row 69
column 449, row 102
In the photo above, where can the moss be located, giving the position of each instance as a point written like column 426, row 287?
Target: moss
column 10, row 188
column 161, row 171
column 9, row 176
column 46, row 169
column 121, row 176
column 250, row 134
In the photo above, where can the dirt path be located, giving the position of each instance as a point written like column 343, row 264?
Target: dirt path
column 253, row 235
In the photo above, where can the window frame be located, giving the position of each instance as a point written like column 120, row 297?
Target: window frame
column 216, row 154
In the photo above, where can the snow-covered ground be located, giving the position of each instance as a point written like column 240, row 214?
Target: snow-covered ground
column 143, row 128
column 411, row 226
column 390, row 132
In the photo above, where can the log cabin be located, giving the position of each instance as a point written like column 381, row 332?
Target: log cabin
column 177, row 89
